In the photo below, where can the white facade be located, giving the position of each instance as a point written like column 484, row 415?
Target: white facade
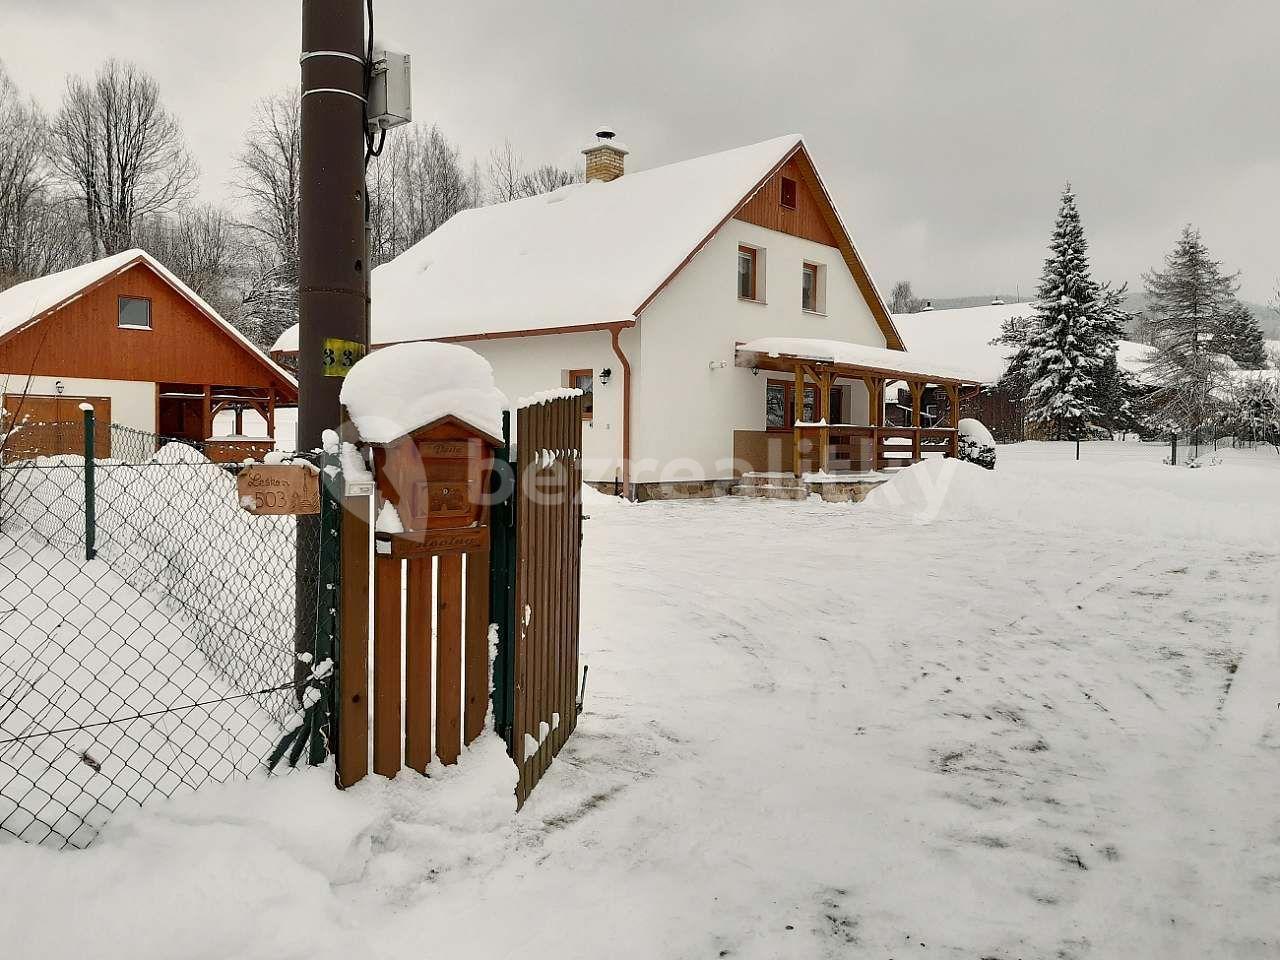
column 133, row 402
column 684, row 404
column 526, row 365
column 685, row 412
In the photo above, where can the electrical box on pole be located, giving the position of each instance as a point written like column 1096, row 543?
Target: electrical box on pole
column 389, row 101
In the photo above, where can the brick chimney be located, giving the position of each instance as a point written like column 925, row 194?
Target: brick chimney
column 605, row 156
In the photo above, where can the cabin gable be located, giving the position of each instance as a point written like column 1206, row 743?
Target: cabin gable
column 83, row 338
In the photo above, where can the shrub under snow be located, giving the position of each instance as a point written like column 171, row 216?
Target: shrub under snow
column 976, row 444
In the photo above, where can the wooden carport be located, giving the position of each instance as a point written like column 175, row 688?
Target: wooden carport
column 822, row 362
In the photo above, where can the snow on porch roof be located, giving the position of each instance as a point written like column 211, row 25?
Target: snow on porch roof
column 903, row 363
column 584, row 255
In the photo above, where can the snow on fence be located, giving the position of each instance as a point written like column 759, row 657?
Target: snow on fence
column 164, row 663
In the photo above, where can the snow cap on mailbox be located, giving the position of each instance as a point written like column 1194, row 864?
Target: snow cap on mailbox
column 433, row 416
column 396, row 390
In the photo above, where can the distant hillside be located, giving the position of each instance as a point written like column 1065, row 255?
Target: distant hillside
column 1136, row 302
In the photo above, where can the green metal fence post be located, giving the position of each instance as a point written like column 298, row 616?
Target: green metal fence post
column 90, row 494
column 502, row 558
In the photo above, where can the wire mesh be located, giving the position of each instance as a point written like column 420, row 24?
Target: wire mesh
column 165, row 663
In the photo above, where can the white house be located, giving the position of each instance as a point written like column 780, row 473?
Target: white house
column 655, row 291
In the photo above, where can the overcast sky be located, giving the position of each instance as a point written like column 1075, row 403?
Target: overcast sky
column 944, row 129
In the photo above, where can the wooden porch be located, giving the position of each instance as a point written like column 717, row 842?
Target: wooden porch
column 187, row 412
column 817, row 442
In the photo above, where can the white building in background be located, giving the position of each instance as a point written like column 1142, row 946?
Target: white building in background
column 640, row 288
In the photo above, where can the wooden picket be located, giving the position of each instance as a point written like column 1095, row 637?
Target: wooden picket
column 548, row 538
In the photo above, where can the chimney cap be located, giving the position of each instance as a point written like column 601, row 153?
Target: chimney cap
column 605, row 139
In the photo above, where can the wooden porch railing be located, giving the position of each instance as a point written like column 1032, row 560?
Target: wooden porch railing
column 868, row 447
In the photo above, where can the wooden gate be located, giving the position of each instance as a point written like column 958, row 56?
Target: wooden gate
column 517, row 567
column 536, row 676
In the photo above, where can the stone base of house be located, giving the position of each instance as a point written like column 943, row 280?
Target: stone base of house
column 834, row 488
column 676, row 490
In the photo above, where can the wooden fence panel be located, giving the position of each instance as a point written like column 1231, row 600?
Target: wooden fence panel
column 548, row 537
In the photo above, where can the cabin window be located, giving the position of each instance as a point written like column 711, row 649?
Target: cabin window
column 135, row 313
column 788, row 193
column 748, row 273
column 584, row 380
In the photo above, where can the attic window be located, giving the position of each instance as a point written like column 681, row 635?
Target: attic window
column 788, row 193
column 135, row 313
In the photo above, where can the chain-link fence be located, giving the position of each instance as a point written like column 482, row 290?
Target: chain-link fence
column 165, row 662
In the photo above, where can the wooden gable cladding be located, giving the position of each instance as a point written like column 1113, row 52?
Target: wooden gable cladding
column 82, row 338
column 809, row 185
column 805, row 220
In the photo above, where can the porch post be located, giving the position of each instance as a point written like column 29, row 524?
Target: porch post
column 797, row 413
column 239, row 420
column 206, row 414
column 271, row 412
column 824, row 435
column 917, row 390
column 875, row 415
column 953, row 401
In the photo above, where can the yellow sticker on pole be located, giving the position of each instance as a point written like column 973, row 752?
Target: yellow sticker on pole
column 341, row 355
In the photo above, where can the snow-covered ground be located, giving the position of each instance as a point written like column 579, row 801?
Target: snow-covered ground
column 1028, row 713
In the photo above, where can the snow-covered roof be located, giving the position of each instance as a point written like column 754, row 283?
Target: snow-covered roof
column 26, row 302
column 963, row 337
column 585, row 255
column 905, row 362
column 392, row 392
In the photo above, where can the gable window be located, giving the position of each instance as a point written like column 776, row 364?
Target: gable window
column 584, row 380
column 788, row 193
column 135, row 313
column 748, row 263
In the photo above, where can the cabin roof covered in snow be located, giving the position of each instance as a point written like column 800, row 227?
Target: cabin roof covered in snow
column 26, row 303
column 587, row 255
column 962, row 337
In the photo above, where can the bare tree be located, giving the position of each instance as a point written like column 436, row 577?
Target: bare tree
column 549, row 177
column 268, row 174
column 417, row 184
column 120, row 152
column 903, row 298
column 505, row 174
column 200, row 245
column 38, row 234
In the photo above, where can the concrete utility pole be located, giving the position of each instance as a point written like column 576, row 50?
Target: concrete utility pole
column 332, row 294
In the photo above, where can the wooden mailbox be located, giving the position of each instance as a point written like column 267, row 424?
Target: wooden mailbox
column 437, row 478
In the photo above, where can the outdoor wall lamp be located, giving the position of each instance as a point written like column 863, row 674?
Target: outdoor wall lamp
column 59, row 386
column 755, row 371
column 605, row 374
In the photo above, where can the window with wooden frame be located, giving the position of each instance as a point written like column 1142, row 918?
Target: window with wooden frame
column 748, row 273
column 583, row 380
column 780, row 398
column 788, row 193
column 134, row 313
column 809, row 288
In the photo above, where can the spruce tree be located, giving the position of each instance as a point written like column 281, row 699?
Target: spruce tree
column 1187, row 304
column 1069, row 337
column 1240, row 338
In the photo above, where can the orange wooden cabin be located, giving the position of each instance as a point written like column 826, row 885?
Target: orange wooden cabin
column 126, row 335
